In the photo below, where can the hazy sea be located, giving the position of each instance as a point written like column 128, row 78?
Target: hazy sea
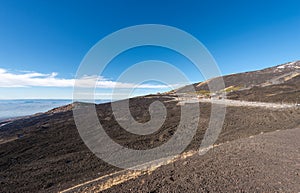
column 17, row 108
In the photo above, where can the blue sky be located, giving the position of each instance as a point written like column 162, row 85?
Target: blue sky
column 43, row 42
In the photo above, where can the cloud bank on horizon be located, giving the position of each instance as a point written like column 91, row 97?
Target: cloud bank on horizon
column 35, row 79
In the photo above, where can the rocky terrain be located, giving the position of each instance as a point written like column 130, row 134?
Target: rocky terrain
column 44, row 152
column 287, row 91
column 275, row 84
column 264, row 163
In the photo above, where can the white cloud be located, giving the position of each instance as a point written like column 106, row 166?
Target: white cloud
column 34, row 79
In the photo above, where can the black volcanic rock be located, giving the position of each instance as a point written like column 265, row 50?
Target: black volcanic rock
column 44, row 152
column 247, row 80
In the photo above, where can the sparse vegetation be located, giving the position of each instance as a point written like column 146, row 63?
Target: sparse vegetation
column 203, row 92
column 232, row 88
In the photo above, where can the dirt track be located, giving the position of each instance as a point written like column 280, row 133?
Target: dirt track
column 239, row 103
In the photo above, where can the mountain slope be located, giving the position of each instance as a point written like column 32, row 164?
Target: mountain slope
column 281, row 82
column 286, row 92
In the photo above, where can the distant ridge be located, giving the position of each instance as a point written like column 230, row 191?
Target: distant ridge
column 275, row 84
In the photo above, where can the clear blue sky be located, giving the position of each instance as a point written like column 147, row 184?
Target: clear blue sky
column 48, row 39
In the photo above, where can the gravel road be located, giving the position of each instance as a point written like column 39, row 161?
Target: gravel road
column 237, row 103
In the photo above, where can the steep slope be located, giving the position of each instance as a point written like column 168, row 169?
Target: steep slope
column 286, row 92
column 285, row 76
